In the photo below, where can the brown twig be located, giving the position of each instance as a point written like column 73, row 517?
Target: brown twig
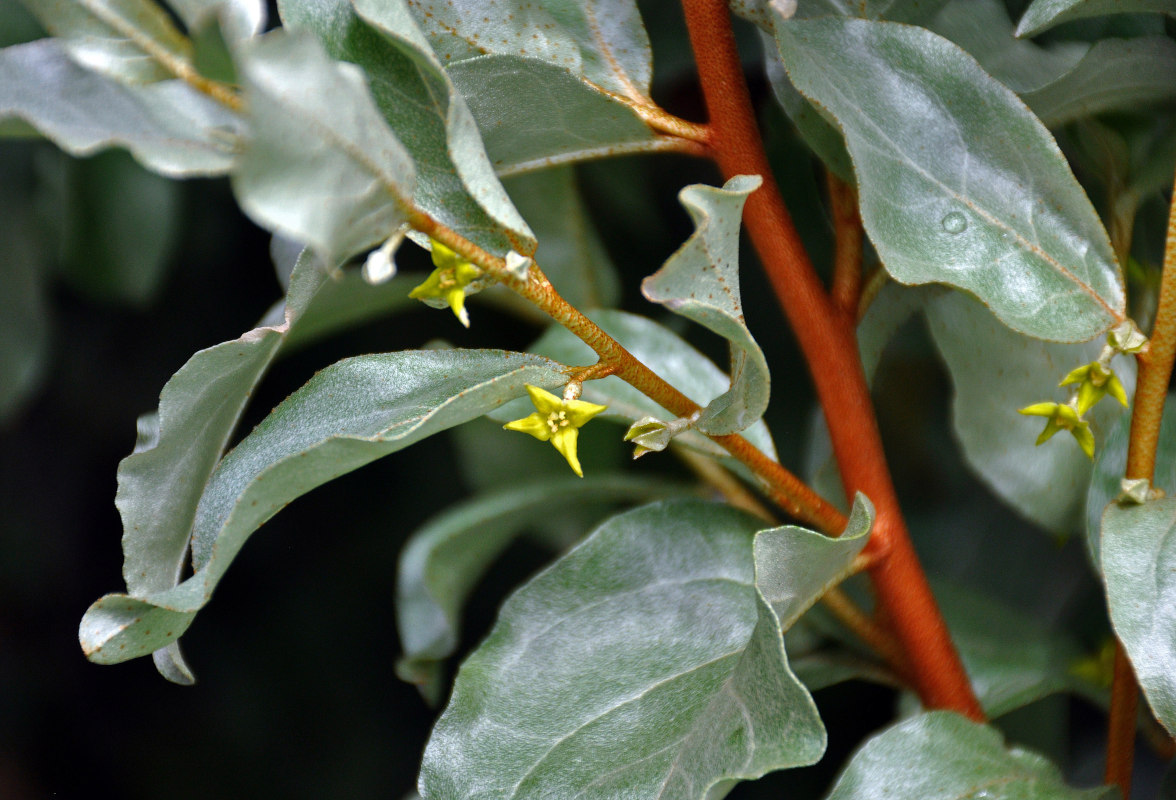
column 782, row 486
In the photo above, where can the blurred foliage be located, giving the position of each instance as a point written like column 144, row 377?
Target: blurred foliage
column 90, row 329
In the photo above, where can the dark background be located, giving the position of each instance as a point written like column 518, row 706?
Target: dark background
column 296, row 695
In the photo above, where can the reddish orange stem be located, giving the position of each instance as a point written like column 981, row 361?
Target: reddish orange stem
column 847, row 246
column 827, row 340
column 1121, row 724
column 1151, row 391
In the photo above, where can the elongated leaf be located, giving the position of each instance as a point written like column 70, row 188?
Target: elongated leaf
column 160, row 484
column 1012, row 659
column 570, row 250
column 662, row 351
column 321, row 165
column 168, row 126
column 1110, row 465
column 348, row 415
column 958, row 183
column 983, row 28
column 1044, row 14
column 915, row 12
column 240, row 19
column 642, row 664
column 701, row 282
column 130, row 40
column 455, row 182
column 601, row 42
column 341, row 303
column 794, row 567
column 1139, row 568
column 942, row 756
column 995, row 372
column 818, row 133
column 466, row 148
column 444, row 560
column 575, row 74
column 553, row 117
column 1116, row 75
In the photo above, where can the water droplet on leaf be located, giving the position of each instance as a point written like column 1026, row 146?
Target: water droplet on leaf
column 955, row 222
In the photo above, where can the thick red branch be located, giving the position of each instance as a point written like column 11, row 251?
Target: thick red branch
column 827, row 340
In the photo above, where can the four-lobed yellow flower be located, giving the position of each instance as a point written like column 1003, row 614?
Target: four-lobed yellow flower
column 1095, row 382
column 1062, row 417
column 558, row 421
column 447, row 284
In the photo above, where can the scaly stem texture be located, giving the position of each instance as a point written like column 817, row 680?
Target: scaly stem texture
column 785, row 489
column 1151, row 390
column 827, row 340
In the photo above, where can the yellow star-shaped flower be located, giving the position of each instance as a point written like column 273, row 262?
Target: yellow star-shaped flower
column 1095, row 381
column 557, row 421
column 1062, row 417
column 447, row 284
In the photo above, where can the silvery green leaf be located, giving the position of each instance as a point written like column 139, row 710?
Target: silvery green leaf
column 160, row 484
column 994, row 373
column 1139, row 568
column 444, row 559
column 239, row 19
column 129, row 40
column 570, row 251
column 456, row 184
column 553, row 118
column 1044, row 14
column 983, row 28
column 701, row 282
column 818, row 133
column 348, row 415
column 167, row 126
column 321, row 164
column 1062, row 81
column 661, row 350
column 940, row 755
column 763, row 13
column 644, row 663
column 1115, row 75
column 343, row 302
column 958, row 182
column 602, row 42
column 577, row 74
column 794, row 567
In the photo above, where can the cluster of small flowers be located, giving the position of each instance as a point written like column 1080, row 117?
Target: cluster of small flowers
column 1092, row 383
